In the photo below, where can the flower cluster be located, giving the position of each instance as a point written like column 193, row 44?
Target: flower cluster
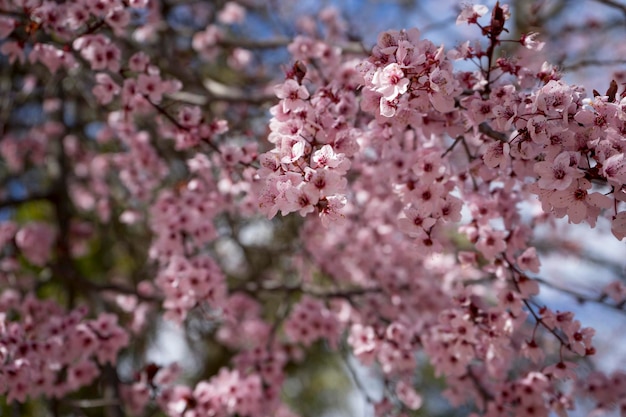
column 64, row 21
column 189, row 282
column 419, row 101
column 45, row 350
column 412, row 170
column 310, row 321
column 305, row 172
column 35, row 241
column 227, row 393
column 406, row 71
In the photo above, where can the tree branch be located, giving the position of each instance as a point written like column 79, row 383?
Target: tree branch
column 12, row 202
column 593, row 63
column 615, row 4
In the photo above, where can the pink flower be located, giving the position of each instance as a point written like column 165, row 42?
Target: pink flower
column 364, row 342
column 416, row 222
column 614, row 168
column 138, row 62
column 528, row 260
column 331, row 209
column 240, row 58
column 409, row 397
column 300, row 199
column 442, row 81
column 136, row 396
column 189, row 116
column 309, row 321
column 429, row 166
column 497, row 154
column 428, row 197
column 292, row 95
column 14, row 51
column 390, row 81
column 206, row 42
column 554, row 99
column 231, row 13
column 106, row 88
column 529, row 41
column 81, row 374
column 491, row 242
column 48, row 55
column 326, row 157
column 6, row 26
column 561, row 370
column 443, row 103
column 118, row 18
column 387, row 108
column 292, row 150
column 579, row 203
column 35, row 241
column 325, row 182
column 99, row 51
column 151, row 86
column 532, row 351
column 557, row 174
column 138, row 4
column 471, row 13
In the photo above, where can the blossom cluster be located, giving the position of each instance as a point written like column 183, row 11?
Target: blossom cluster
column 407, row 170
column 428, row 117
column 310, row 321
column 227, row 393
column 45, row 350
column 305, row 171
column 188, row 282
column 65, row 21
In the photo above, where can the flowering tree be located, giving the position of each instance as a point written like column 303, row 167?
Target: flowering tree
column 145, row 145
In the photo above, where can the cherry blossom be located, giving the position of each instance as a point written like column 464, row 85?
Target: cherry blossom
column 529, row 41
column 390, row 82
column 232, row 13
column 35, row 240
column 471, row 13
column 557, row 174
column 149, row 149
column 293, row 95
column 579, row 203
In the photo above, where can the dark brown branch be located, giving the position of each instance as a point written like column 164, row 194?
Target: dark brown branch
column 488, row 130
column 582, row 298
column 593, row 63
column 120, row 289
column 175, row 122
column 614, row 4
column 253, row 288
column 254, row 44
column 12, row 202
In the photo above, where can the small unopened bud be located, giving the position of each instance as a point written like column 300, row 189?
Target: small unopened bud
column 299, row 71
column 497, row 20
